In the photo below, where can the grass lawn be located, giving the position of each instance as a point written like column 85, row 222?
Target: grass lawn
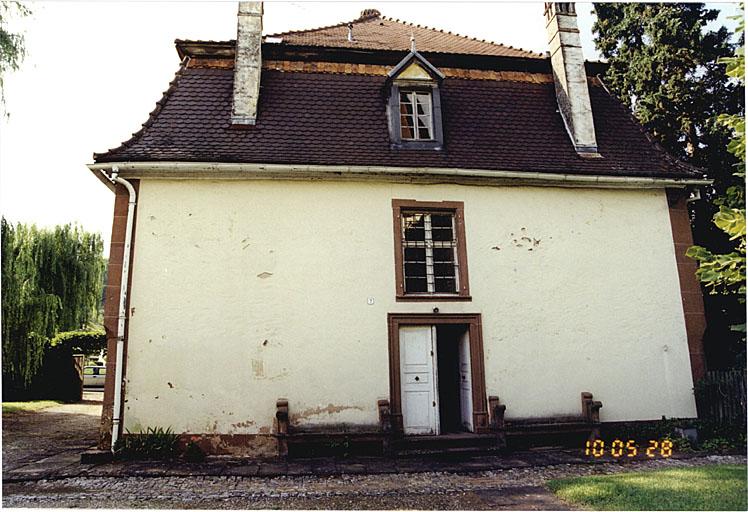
column 31, row 406
column 717, row 487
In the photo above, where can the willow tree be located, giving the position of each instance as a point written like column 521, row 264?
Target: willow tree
column 12, row 47
column 51, row 282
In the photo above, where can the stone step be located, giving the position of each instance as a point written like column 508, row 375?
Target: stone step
column 449, row 453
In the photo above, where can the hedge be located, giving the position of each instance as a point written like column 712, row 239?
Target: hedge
column 80, row 342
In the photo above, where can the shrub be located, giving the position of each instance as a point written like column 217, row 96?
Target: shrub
column 680, row 444
column 193, row 453
column 717, row 444
column 80, row 342
column 154, row 443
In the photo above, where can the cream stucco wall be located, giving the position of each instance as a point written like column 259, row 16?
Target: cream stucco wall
column 247, row 291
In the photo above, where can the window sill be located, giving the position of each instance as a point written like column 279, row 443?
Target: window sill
column 432, row 145
column 433, row 298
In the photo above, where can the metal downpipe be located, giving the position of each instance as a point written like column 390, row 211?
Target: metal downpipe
column 117, row 406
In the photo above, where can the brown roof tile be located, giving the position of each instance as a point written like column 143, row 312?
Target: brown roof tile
column 335, row 119
column 372, row 31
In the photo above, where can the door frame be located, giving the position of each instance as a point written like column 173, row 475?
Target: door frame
column 396, row 320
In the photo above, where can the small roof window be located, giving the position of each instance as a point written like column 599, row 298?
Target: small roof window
column 414, row 108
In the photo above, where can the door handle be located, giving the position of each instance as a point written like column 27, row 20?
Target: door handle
column 417, row 378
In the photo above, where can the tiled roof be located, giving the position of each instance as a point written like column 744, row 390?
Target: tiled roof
column 372, row 31
column 336, row 119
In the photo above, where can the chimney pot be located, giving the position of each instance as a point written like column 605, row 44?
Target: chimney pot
column 368, row 14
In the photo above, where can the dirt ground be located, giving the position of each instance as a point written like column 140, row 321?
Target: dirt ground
column 53, row 436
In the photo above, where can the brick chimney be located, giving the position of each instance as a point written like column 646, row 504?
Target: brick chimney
column 248, row 63
column 572, row 91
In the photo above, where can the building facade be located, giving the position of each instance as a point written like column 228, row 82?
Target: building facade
column 386, row 229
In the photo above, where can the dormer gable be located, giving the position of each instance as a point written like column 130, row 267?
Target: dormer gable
column 415, row 67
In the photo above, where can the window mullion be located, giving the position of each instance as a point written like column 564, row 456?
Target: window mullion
column 456, row 257
column 414, row 101
column 430, row 287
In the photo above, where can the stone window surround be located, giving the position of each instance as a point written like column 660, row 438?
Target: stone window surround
column 458, row 209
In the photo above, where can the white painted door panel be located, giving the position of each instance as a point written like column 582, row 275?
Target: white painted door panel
column 466, row 383
column 417, row 380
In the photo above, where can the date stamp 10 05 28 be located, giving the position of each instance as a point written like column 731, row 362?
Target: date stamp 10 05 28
column 629, row 448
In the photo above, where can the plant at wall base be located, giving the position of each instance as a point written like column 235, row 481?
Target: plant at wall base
column 153, row 443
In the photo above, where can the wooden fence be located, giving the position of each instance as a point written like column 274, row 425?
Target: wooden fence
column 721, row 396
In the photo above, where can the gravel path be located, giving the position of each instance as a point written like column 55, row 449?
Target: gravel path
column 520, row 488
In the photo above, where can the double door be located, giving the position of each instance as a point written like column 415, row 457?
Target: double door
column 419, row 378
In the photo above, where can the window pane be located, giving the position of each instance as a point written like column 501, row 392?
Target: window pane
column 407, row 130
column 444, row 255
column 88, row 371
column 415, row 255
column 441, row 227
column 415, row 269
column 444, row 270
column 102, row 370
column 413, row 228
column 441, row 220
column 445, row 286
column 423, row 133
column 423, row 101
column 415, row 285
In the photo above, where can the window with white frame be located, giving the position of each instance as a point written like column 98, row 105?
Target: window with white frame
column 416, row 115
column 429, row 244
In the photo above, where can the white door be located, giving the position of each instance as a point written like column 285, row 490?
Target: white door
column 466, row 383
column 418, row 380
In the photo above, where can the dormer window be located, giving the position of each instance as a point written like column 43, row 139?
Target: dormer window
column 414, row 110
column 416, row 121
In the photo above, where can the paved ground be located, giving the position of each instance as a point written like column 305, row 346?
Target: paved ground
column 41, row 469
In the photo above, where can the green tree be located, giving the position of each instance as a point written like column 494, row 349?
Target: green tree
column 668, row 68
column 51, row 282
column 724, row 273
column 12, row 48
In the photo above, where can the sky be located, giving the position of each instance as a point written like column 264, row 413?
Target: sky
column 94, row 71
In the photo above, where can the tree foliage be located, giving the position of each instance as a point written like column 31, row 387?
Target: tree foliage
column 725, row 273
column 12, row 48
column 80, row 342
column 51, row 282
column 670, row 69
